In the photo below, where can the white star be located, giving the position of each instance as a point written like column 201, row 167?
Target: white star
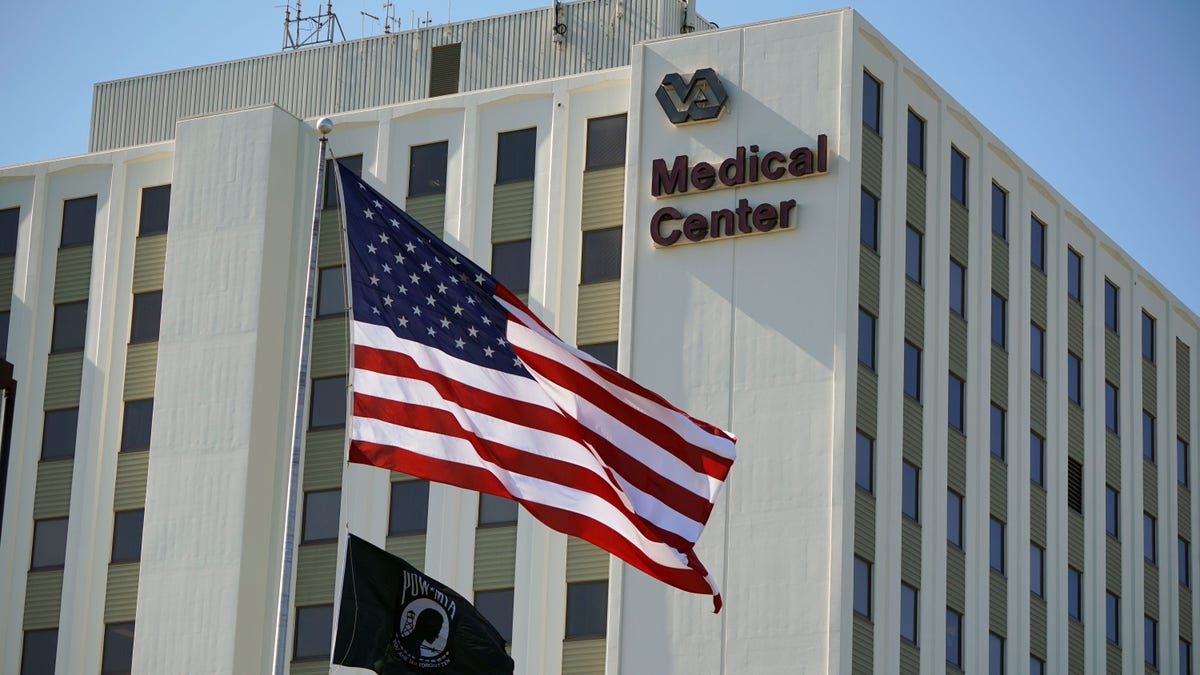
column 454, row 280
column 501, row 341
column 488, row 351
column 377, row 204
column 437, row 260
column 432, row 332
column 387, row 269
column 459, row 343
column 395, row 223
column 410, row 247
column 458, row 310
column 445, row 322
column 516, row 363
column 487, row 321
column 414, row 277
column 470, row 300
column 403, row 289
column 369, row 214
column 387, row 300
column 371, row 248
column 473, row 331
column 429, row 300
column 383, row 238
column 403, row 322
column 374, row 280
column 454, row 260
column 375, row 309
column 479, row 278
column 416, row 310
column 426, row 267
column 441, row 288
column 362, row 187
column 399, row 258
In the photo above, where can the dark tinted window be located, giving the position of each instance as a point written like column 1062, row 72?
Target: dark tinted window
column 954, row 518
column 1037, row 459
column 1185, row 657
column 912, row 371
column 427, row 169
column 147, row 314
column 1074, row 593
column 1111, row 298
column 587, row 609
column 1074, row 275
column 958, row 176
column 1036, row 666
column 495, row 510
column 1112, row 618
column 956, row 402
column 70, row 327
column 862, row 587
column 1184, row 551
column 409, row 511
column 999, row 212
column 314, row 629
column 1147, row 337
column 1111, row 403
column 497, row 608
column 996, row 545
column 510, row 264
column 999, row 320
column 135, row 428
column 49, row 544
column 998, row 441
column 1149, row 538
column 995, row 654
column 58, row 433
column 1037, row 243
column 321, row 516
column 870, row 111
column 908, row 613
column 1074, row 379
column 352, row 162
column 156, row 209
column 913, row 253
column 864, row 462
column 1112, row 512
column 1037, row 570
column 79, row 221
column 331, row 291
column 868, row 221
column 605, row 142
column 118, row 649
column 1037, row 350
column 1151, row 642
column 127, row 535
column 953, row 638
column 604, row 352
column 515, row 155
column 1182, row 465
column 328, row 396
column 910, row 503
column 958, row 288
column 866, row 338
column 38, row 652
column 1149, row 438
column 9, row 221
column 916, row 140
column 601, row 255
column 4, row 316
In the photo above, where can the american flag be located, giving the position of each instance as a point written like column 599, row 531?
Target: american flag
column 455, row 380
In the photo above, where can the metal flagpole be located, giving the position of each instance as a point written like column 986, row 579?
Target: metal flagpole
column 324, row 126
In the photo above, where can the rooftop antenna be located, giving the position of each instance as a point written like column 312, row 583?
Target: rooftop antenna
column 362, row 26
column 389, row 17
column 305, row 31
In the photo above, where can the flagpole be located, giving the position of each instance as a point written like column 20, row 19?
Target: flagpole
column 324, row 126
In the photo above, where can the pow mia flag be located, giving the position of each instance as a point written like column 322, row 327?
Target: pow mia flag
column 395, row 620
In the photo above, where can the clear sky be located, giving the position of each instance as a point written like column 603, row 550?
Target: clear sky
column 1102, row 98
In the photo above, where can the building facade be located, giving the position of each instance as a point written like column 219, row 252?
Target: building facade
column 722, row 214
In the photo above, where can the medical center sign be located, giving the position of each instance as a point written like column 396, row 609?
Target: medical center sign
column 703, row 99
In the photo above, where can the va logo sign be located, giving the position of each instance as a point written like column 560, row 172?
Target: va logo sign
column 700, row 100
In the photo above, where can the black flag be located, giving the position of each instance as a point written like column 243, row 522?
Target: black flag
column 395, row 620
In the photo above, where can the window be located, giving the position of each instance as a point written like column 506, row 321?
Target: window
column 999, row 212
column 1074, row 378
column 155, row 211
column 908, row 613
column 916, row 140
column 1037, row 350
column 957, row 402
column 147, row 311
column 958, row 288
column 1149, row 444
column 353, row 163
column 604, row 352
column 912, row 371
column 1149, row 538
column 1182, row 465
column 328, row 398
column 409, row 510
column 605, row 142
column 127, row 535
column 954, row 638
column 497, row 607
column 493, row 510
column 1075, row 486
column 999, row 321
column 601, row 255
column 1112, row 618
column 78, row 222
column 49, row 544
column 1036, row 666
column 1185, row 657
column 70, row 327
column 866, row 338
column 1074, row 594
column 314, row 627
column 958, row 176
column 911, row 497
column 1037, row 243
column 954, row 519
column 1037, row 570
column 587, row 609
column 868, row 220
column 996, row 545
column 862, row 588
column 870, row 111
column 1111, row 403
column 1037, row 459
column 9, row 221
column 1074, row 275
column 118, row 649
column 427, row 169
column 1147, row 337
column 864, row 463
column 1184, row 551
column 998, row 441
column 38, row 652
column 995, row 654
column 1112, row 512
column 1111, row 298
column 58, row 433
column 331, row 291
column 135, row 428
column 913, row 254
column 444, row 62
column 510, row 264
column 515, row 155
column 4, row 316
column 1151, row 642
column 322, row 511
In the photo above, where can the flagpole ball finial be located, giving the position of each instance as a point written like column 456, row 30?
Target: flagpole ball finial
column 324, row 125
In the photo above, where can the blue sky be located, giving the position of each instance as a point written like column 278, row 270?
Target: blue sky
column 1099, row 97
